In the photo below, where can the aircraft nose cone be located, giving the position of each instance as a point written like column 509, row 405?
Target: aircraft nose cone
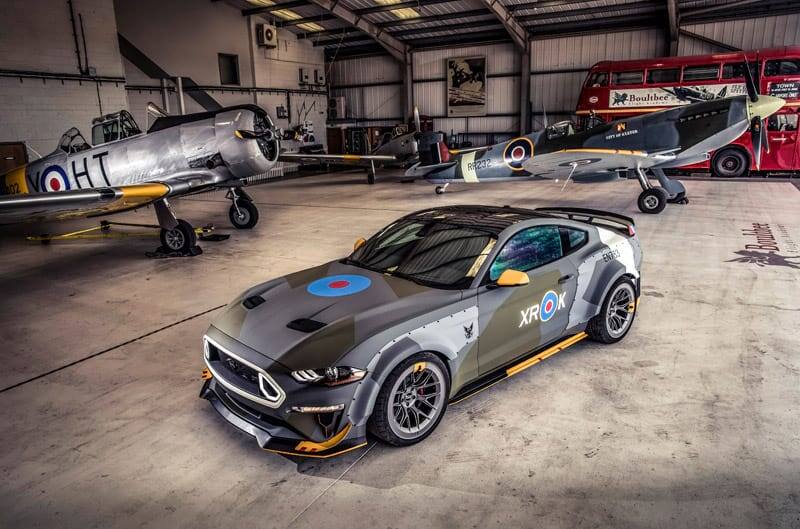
column 765, row 106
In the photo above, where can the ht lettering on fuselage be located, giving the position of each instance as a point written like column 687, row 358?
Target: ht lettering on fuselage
column 545, row 309
column 87, row 171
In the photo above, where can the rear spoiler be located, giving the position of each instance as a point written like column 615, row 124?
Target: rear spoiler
column 607, row 219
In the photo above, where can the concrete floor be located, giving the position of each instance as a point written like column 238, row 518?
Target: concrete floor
column 692, row 421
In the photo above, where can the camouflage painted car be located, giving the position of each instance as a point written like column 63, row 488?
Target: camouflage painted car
column 433, row 308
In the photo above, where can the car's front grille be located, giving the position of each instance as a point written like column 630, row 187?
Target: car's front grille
column 242, row 377
column 239, row 369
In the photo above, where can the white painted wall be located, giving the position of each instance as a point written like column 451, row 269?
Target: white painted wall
column 36, row 36
column 184, row 38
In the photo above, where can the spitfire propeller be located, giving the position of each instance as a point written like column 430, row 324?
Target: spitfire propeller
column 758, row 107
column 253, row 135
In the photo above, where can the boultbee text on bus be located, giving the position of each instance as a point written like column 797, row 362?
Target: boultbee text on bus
column 619, row 89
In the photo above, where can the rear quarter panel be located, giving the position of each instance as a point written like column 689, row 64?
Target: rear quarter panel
column 607, row 257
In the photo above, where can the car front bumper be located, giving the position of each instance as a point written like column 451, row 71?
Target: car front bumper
column 261, row 398
column 274, row 435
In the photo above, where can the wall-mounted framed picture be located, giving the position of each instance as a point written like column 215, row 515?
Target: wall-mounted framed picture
column 466, row 86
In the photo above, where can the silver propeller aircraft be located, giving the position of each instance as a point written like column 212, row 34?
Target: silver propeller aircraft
column 656, row 141
column 127, row 169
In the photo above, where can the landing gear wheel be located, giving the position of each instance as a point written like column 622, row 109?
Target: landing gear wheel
column 616, row 314
column 730, row 163
column 680, row 198
column 370, row 177
column 246, row 217
column 180, row 239
column 653, row 200
column 411, row 401
column 439, row 190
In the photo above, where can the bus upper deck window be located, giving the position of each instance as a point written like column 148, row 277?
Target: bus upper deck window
column 597, row 79
column 707, row 72
column 782, row 67
column 735, row 70
column 620, row 78
column 664, row 75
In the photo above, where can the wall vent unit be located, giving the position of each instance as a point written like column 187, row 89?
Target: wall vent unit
column 266, row 36
column 319, row 77
column 336, row 108
column 304, row 77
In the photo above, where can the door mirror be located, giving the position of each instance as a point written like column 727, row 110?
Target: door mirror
column 361, row 241
column 513, row 278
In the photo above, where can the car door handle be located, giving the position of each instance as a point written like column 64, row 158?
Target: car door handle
column 564, row 279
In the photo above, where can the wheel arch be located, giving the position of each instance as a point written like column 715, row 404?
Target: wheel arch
column 379, row 369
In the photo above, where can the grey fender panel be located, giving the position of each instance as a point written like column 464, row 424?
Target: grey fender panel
column 446, row 336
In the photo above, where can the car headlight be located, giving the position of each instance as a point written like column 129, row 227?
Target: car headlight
column 329, row 376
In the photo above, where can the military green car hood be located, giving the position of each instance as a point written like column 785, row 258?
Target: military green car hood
column 311, row 318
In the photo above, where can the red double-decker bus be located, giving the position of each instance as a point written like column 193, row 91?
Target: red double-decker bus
column 619, row 89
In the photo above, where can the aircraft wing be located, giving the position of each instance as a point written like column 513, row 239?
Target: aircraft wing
column 91, row 202
column 336, row 158
column 588, row 161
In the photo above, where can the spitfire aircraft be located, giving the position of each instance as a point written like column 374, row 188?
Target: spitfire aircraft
column 126, row 169
column 656, row 141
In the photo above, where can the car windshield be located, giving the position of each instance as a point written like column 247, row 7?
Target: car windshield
column 429, row 252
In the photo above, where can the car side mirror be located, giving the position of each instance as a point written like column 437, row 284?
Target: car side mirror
column 513, row 278
column 361, row 241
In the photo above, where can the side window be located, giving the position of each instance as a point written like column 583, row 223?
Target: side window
column 735, row 70
column 597, row 79
column 623, row 78
column 782, row 122
column 572, row 239
column 782, row 67
column 527, row 250
column 665, row 75
column 701, row 73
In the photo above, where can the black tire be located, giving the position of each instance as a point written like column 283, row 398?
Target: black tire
column 246, row 217
column 439, row 190
column 370, row 177
column 181, row 239
column 653, row 200
column 387, row 428
column 600, row 327
column 730, row 162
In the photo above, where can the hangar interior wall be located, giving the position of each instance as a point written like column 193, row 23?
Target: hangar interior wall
column 184, row 38
column 373, row 85
column 43, row 92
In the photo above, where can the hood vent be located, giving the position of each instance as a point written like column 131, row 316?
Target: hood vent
column 253, row 302
column 305, row 325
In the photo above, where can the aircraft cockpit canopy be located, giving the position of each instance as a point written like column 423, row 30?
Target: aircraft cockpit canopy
column 73, row 141
column 560, row 129
column 113, row 127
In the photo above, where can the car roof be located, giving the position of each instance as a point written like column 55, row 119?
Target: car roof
column 494, row 219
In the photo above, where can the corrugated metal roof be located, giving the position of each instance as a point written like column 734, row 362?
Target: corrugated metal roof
column 441, row 20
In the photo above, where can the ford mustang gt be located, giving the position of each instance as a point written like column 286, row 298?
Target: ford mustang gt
column 433, row 308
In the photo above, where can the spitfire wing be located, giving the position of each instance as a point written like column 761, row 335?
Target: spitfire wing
column 587, row 161
column 336, row 158
column 91, row 202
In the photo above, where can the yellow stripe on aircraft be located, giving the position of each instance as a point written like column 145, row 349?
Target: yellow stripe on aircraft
column 468, row 167
column 606, row 151
column 14, row 182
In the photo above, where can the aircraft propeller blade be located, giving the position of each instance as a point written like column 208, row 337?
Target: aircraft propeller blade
column 417, row 126
column 757, row 137
column 253, row 135
column 758, row 133
column 752, row 88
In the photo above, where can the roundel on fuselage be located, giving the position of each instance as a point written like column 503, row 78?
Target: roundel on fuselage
column 517, row 151
column 54, row 178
